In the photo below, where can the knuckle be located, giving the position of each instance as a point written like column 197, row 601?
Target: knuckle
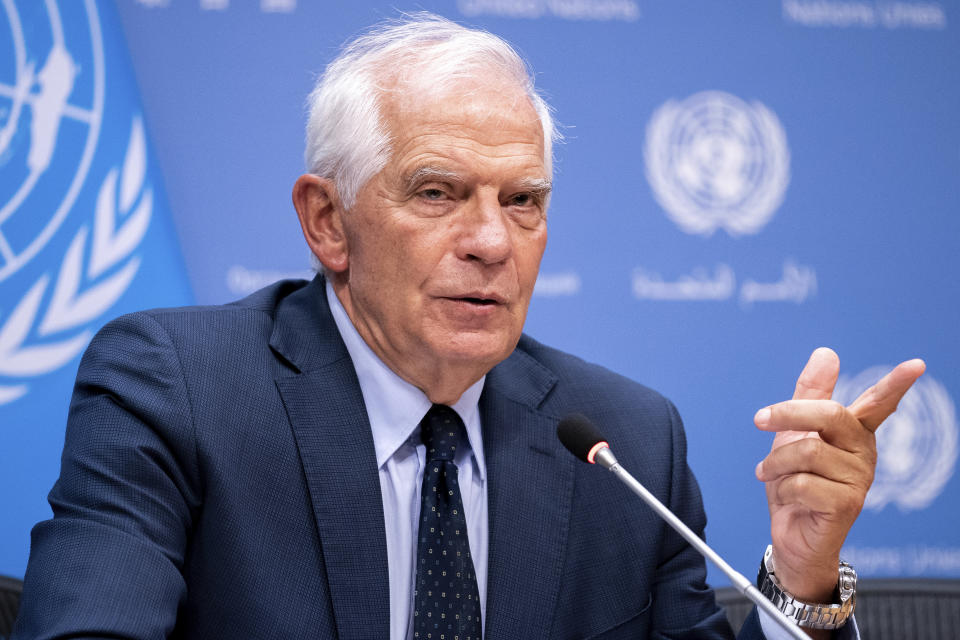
column 781, row 410
column 782, row 490
column 799, row 483
column 812, row 451
column 835, row 411
column 771, row 464
column 856, row 473
column 867, row 472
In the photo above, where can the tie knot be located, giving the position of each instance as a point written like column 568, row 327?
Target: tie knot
column 440, row 431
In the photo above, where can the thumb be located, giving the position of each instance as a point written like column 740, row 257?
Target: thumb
column 819, row 376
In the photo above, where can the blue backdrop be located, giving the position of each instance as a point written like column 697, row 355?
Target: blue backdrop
column 85, row 231
column 740, row 183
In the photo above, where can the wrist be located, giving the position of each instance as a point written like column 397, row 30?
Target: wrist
column 810, row 583
column 828, row 613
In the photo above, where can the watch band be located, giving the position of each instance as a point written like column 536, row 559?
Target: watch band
column 805, row 614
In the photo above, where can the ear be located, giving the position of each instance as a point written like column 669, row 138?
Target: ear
column 321, row 218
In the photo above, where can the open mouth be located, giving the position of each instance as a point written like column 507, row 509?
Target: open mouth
column 480, row 301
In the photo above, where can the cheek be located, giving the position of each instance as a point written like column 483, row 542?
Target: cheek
column 400, row 270
column 420, row 251
column 379, row 253
column 530, row 251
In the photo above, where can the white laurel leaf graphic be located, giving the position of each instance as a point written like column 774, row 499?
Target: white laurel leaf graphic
column 9, row 394
column 134, row 166
column 20, row 321
column 110, row 247
column 71, row 308
column 16, row 360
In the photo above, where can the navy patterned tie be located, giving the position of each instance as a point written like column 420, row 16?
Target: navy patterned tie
column 446, row 603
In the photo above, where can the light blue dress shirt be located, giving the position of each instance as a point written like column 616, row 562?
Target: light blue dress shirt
column 395, row 408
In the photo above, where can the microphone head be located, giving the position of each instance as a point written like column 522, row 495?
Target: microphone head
column 580, row 437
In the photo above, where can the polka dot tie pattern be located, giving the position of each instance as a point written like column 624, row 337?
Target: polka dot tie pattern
column 446, row 599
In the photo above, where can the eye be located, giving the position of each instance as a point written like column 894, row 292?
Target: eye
column 522, row 200
column 432, row 194
column 526, row 208
column 526, row 202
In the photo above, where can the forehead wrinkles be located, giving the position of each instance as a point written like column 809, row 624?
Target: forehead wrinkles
column 483, row 130
column 467, row 138
column 518, row 165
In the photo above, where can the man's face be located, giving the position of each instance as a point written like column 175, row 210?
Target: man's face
column 444, row 244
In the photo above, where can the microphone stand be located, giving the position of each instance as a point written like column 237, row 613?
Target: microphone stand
column 605, row 458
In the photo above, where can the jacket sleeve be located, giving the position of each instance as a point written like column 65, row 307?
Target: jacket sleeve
column 109, row 562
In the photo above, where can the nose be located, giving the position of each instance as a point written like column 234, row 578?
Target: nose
column 485, row 235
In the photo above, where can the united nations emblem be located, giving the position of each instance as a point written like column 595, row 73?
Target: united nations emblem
column 916, row 445
column 52, row 89
column 714, row 161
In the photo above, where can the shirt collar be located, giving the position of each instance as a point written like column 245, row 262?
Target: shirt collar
column 394, row 406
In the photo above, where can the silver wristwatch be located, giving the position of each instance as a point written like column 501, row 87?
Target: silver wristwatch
column 811, row 616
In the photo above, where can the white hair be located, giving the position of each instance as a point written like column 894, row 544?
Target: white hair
column 347, row 139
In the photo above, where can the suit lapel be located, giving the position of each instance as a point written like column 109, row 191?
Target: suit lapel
column 329, row 421
column 530, row 490
column 529, row 475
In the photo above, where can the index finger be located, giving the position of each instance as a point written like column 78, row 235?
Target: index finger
column 834, row 423
column 873, row 406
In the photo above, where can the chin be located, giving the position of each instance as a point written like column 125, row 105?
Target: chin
column 488, row 350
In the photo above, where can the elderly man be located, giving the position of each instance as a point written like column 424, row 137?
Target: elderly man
column 372, row 454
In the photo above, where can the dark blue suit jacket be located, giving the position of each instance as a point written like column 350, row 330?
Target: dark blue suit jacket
column 219, row 481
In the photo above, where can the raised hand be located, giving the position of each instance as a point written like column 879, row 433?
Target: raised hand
column 820, row 467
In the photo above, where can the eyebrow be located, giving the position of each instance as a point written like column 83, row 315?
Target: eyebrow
column 428, row 174
column 540, row 186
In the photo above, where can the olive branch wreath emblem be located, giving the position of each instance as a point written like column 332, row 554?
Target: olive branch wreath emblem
column 669, row 132
column 81, row 292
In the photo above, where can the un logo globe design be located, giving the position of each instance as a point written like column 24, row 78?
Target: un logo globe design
column 50, row 117
column 52, row 90
column 916, row 446
column 714, row 161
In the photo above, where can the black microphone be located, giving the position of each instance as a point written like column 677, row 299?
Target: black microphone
column 581, row 438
